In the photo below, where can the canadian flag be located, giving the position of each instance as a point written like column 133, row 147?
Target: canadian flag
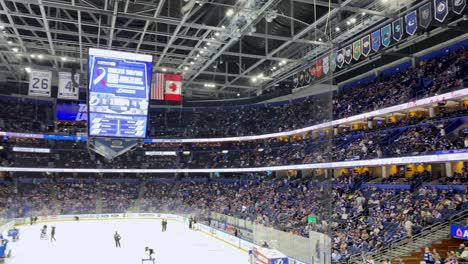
column 173, row 88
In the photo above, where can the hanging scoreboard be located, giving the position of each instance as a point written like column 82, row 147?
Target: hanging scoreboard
column 118, row 96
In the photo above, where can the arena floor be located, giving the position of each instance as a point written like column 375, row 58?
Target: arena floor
column 92, row 242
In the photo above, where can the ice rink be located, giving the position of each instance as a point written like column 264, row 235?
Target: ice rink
column 92, row 242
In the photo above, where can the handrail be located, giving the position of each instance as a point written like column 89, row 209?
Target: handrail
column 404, row 241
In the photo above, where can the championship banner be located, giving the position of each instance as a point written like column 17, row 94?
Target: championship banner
column 458, row 6
column 68, row 88
column 340, row 57
column 348, row 54
column 333, row 61
column 173, row 91
column 357, row 49
column 326, row 65
column 40, row 83
column 411, row 21
column 397, row 26
column 386, row 33
column 440, row 10
column 425, row 15
column 318, row 65
column 366, row 46
column 375, row 36
column 295, row 80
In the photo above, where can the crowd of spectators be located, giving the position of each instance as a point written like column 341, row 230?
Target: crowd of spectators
column 359, row 217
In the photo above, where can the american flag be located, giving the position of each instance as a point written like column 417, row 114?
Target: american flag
column 157, row 86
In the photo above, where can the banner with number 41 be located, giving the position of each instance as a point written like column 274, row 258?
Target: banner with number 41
column 40, row 83
column 67, row 88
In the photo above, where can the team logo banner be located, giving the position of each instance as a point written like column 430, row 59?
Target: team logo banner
column 326, row 65
column 348, row 54
column 375, row 36
column 68, row 88
column 340, row 57
column 333, row 61
column 295, row 80
column 386, row 32
column 308, row 79
column 458, row 6
column 313, row 71
column 318, row 65
column 411, row 20
column 40, row 83
column 440, row 10
column 301, row 78
column 357, row 49
column 397, row 26
column 425, row 15
column 366, row 46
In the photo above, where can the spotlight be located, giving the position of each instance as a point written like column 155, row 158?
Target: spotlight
column 27, row 69
column 337, row 29
column 64, row 58
column 15, row 50
column 164, row 69
column 40, row 56
column 230, row 12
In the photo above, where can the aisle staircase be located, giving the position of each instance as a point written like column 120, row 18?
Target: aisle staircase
column 404, row 247
column 99, row 199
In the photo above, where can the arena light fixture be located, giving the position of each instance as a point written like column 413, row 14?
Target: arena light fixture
column 40, row 56
column 337, row 29
column 229, row 12
column 225, row 151
column 164, row 69
column 10, row 42
column 2, row 27
column 64, row 58
column 27, row 69
column 254, row 79
column 32, row 56
column 15, row 50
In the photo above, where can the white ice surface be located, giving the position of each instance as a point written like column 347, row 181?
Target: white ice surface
column 92, row 242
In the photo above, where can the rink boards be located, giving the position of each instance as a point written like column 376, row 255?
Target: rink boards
column 239, row 243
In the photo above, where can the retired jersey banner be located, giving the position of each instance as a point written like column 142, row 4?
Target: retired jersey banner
column 440, row 10
column 386, row 33
column 357, row 49
column 173, row 89
column 318, row 65
column 333, row 60
column 326, row 65
column 348, row 56
column 458, row 6
column 411, row 20
column 375, row 40
column 397, row 26
column 340, row 57
column 68, row 88
column 313, row 71
column 366, row 46
column 425, row 15
column 40, row 83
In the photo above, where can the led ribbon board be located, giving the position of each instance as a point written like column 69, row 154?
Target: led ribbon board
column 119, row 87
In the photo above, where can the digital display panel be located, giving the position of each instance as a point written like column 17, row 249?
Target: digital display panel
column 118, row 98
column 71, row 111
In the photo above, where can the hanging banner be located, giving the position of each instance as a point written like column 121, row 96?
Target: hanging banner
column 411, row 20
column 375, row 40
column 295, row 80
column 425, row 15
column 333, row 61
column 340, row 57
column 318, row 65
column 40, row 83
column 397, row 26
column 440, row 10
column 348, row 54
column 307, row 77
column 301, row 78
column 357, row 49
column 458, row 6
column 313, row 72
column 326, row 65
column 68, row 88
column 366, row 47
column 386, row 33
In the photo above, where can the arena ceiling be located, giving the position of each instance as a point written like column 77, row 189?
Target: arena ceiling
column 223, row 47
